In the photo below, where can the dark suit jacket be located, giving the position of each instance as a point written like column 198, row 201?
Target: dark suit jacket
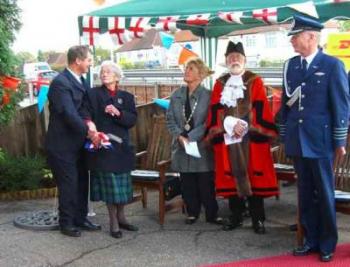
column 121, row 158
column 67, row 130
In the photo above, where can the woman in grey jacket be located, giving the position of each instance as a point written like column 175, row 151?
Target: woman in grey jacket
column 186, row 119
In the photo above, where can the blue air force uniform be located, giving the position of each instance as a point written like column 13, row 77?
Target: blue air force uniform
column 314, row 122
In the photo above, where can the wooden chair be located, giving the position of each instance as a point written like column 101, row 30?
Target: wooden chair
column 154, row 164
column 342, row 182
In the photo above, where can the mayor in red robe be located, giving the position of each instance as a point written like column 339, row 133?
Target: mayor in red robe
column 243, row 161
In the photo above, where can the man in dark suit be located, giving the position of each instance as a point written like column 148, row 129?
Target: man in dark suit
column 64, row 142
column 314, row 123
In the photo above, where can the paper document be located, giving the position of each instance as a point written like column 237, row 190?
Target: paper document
column 229, row 140
column 191, row 149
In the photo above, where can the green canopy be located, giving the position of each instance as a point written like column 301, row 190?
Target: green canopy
column 209, row 32
column 326, row 10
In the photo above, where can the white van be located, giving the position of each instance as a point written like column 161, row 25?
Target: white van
column 31, row 70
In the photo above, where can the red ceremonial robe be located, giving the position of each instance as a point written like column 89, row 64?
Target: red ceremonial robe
column 261, row 172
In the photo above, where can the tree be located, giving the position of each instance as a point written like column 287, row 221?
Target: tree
column 345, row 26
column 25, row 57
column 9, row 24
column 101, row 55
column 41, row 56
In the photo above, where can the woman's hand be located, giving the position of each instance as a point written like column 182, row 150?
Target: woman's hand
column 112, row 110
column 182, row 140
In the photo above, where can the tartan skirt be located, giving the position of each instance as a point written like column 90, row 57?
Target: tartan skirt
column 110, row 187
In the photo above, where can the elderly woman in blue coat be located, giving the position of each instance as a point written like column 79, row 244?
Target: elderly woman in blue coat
column 186, row 121
column 111, row 111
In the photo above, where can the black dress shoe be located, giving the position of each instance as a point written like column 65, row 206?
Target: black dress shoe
column 128, row 227
column 70, row 231
column 259, row 228
column 326, row 257
column 117, row 234
column 190, row 220
column 229, row 225
column 303, row 251
column 89, row 226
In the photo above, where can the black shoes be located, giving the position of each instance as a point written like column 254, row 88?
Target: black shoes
column 217, row 220
column 89, row 226
column 190, row 220
column 259, row 228
column 229, row 225
column 303, row 251
column 326, row 257
column 128, row 227
column 116, row 234
column 70, row 231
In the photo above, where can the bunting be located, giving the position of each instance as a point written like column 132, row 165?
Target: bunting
column 167, row 23
column 138, row 26
column 199, row 19
column 231, row 17
column 268, row 15
column 91, row 30
column 116, row 28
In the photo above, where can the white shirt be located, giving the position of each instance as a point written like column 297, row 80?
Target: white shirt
column 77, row 77
column 309, row 58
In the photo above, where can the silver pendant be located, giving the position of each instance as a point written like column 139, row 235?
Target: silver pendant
column 187, row 127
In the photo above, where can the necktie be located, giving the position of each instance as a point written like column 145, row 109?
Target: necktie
column 82, row 80
column 304, row 66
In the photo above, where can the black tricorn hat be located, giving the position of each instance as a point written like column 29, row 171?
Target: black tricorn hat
column 234, row 48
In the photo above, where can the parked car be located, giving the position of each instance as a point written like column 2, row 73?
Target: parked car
column 43, row 78
column 31, row 70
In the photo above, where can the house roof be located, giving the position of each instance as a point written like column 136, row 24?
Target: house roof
column 152, row 38
column 57, row 59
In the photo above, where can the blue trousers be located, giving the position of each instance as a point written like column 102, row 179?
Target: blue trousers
column 316, row 202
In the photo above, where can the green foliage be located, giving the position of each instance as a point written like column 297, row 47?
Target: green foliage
column 9, row 64
column 9, row 23
column 345, row 26
column 22, row 173
column 101, row 55
column 270, row 63
column 41, row 57
column 25, row 57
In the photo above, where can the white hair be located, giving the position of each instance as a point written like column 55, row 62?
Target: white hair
column 114, row 66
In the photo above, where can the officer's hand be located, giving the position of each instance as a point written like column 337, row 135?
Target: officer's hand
column 339, row 154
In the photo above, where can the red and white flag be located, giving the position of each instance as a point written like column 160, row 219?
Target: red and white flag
column 91, row 30
column 231, row 17
column 116, row 28
column 268, row 15
column 199, row 19
column 167, row 23
column 138, row 26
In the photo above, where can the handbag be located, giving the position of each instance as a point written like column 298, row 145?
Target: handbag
column 172, row 187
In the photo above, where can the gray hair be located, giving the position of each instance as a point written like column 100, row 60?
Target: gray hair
column 115, row 68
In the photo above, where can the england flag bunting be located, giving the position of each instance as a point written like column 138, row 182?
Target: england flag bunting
column 268, row 15
column 91, row 30
column 167, row 23
column 138, row 26
column 116, row 28
column 199, row 19
column 231, row 17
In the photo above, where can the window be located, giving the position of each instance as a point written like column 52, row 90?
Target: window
column 271, row 39
column 250, row 40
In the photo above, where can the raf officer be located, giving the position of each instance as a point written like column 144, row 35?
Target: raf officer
column 315, row 112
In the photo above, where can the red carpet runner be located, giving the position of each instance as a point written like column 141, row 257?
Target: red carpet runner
column 341, row 259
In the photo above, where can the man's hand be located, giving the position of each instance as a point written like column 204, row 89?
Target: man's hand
column 94, row 137
column 339, row 153
column 112, row 110
column 239, row 129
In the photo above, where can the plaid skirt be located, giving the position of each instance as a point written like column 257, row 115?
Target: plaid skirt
column 111, row 187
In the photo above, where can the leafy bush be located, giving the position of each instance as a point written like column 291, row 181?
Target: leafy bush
column 22, row 173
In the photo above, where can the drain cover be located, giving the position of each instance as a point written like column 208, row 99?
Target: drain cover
column 38, row 220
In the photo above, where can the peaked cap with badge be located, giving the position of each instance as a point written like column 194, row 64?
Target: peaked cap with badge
column 302, row 23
